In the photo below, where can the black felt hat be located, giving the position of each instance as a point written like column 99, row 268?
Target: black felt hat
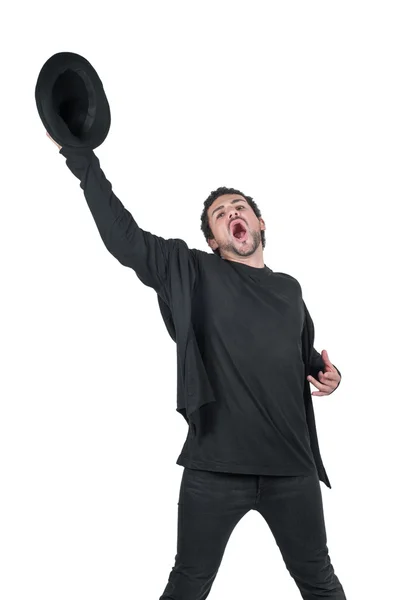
column 71, row 102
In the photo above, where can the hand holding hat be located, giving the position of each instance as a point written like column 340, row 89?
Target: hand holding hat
column 58, row 146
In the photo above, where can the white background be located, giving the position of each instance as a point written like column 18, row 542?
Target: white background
column 295, row 104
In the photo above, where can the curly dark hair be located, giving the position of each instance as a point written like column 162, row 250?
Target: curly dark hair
column 205, row 227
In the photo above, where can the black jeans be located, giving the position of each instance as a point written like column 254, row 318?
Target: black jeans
column 212, row 503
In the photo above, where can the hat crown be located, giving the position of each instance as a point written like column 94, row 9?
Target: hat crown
column 71, row 102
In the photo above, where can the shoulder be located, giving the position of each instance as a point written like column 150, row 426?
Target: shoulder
column 287, row 277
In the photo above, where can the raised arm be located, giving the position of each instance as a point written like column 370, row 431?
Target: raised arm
column 147, row 254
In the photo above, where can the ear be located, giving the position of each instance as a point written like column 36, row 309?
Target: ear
column 212, row 243
column 262, row 224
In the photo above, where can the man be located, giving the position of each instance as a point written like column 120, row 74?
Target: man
column 244, row 367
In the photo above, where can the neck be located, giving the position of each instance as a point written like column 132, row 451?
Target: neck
column 257, row 260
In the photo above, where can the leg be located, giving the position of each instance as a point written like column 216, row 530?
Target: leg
column 210, row 506
column 293, row 509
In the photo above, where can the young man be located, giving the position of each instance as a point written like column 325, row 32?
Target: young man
column 245, row 360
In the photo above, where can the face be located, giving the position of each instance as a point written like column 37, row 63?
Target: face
column 223, row 213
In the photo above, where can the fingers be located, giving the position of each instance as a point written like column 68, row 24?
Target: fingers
column 329, row 378
column 327, row 385
column 321, row 386
column 58, row 146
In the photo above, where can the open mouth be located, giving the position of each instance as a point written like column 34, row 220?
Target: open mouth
column 239, row 231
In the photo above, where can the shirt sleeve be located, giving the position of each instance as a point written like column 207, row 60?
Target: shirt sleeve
column 316, row 362
column 147, row 254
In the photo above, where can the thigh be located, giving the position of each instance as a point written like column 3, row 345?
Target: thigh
column 209, row 507
column 293, row 509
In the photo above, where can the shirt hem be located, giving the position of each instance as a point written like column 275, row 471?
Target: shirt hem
column 242, row 469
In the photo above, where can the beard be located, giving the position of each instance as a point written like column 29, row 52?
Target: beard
column 246, row 248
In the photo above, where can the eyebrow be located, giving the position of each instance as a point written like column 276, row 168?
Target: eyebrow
column 232, row 202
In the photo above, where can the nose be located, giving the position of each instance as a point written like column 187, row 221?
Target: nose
column 234, row 214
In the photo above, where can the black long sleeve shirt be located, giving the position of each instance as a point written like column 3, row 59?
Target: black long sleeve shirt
column 247, row 323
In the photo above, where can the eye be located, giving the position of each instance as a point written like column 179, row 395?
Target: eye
column 219, row 214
